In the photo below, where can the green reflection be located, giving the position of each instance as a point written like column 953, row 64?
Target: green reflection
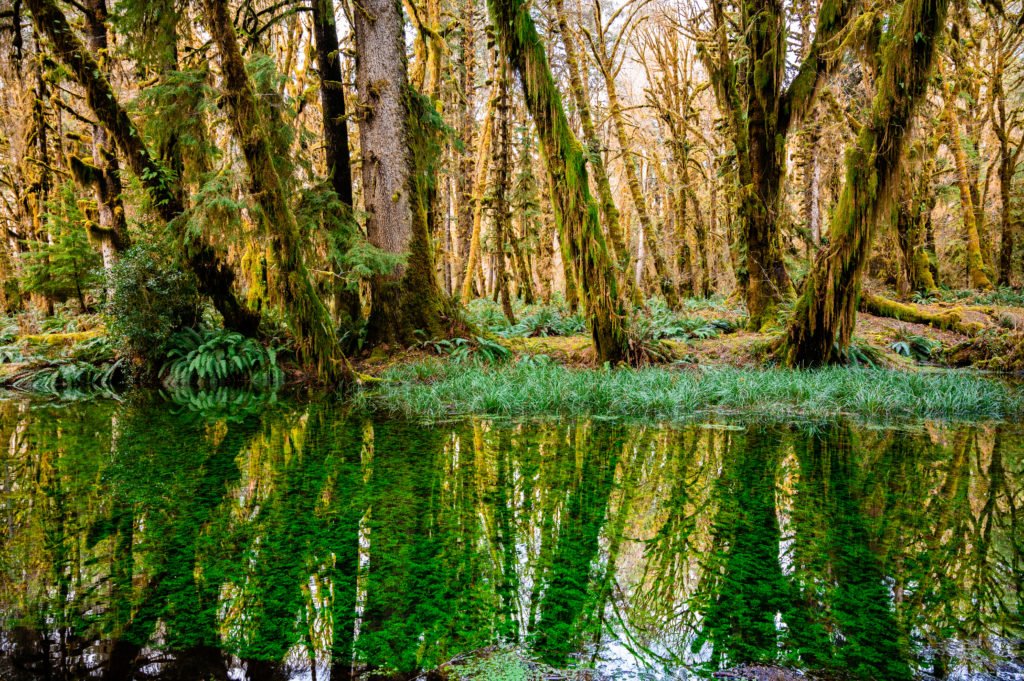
column 268, row 539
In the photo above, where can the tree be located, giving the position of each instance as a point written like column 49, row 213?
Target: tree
column 311, row 323
column 576, row 211
column 825, row 314
column 760, row 111
column 215, row 277
column 407, row 299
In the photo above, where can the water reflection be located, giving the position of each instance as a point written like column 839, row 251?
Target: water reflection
column 277, row 541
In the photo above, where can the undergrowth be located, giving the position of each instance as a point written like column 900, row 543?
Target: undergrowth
column 436, row 389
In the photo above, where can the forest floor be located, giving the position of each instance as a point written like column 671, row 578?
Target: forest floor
column 698, row 357
column 992, row 338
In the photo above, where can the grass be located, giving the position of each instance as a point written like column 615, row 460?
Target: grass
column 437, row 389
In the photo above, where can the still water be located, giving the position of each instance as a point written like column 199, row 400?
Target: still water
column 144, row 540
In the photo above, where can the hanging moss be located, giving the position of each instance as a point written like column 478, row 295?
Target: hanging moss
column 823, row 319
column 576, row 211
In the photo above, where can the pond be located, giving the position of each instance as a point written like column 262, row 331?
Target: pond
column 276, row 540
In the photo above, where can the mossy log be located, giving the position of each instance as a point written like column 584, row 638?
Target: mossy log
column 947, row 320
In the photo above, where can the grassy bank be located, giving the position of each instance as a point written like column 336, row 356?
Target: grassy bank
column 436, row 389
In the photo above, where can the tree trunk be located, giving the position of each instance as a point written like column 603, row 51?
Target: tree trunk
column 976, row 276
column 823, row 320
column 760, row 115
column 406, row 300
column 578, row 87
column 502, row 175
column 332, row 101
column 111, row 230
column 576, row 212
column 317, row 342
column 464, row 178
column 215, row 277
column 483, row 160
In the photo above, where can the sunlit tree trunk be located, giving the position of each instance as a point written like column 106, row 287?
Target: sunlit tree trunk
column 823, row 320
column 576, row 212
column 666, row 285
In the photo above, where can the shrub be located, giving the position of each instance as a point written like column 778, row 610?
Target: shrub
column 152, row 300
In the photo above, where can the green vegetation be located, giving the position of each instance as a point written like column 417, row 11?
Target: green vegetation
column 197, row 537
column 435, row 389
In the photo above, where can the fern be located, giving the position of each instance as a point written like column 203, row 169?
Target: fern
column 210, row 358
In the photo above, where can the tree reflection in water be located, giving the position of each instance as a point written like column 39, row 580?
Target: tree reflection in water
column 283, row 540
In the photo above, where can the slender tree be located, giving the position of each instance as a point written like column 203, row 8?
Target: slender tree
column 576, row 211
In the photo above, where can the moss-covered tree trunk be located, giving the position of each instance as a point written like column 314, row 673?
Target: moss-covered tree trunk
column 976, row 276
column 581, row 97
column 1009, row 154
column 823, row 320
column 480, row 171
column 317, row 342
column 576, row 211
column 912, row 213
column 502, row 175
column 215, row 277
column 466, row 121
column 407, row 299
column 111, row 229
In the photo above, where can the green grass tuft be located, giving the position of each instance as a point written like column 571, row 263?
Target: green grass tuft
column 438, row 389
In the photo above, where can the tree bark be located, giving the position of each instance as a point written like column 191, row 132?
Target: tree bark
column 760, row 115
column 407, row 299
column 111, row 229
column 976, row 276
column 666, row 285
column 580, row 95
column 502, row 175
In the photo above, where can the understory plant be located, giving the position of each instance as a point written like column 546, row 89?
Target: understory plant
column 216, row 357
